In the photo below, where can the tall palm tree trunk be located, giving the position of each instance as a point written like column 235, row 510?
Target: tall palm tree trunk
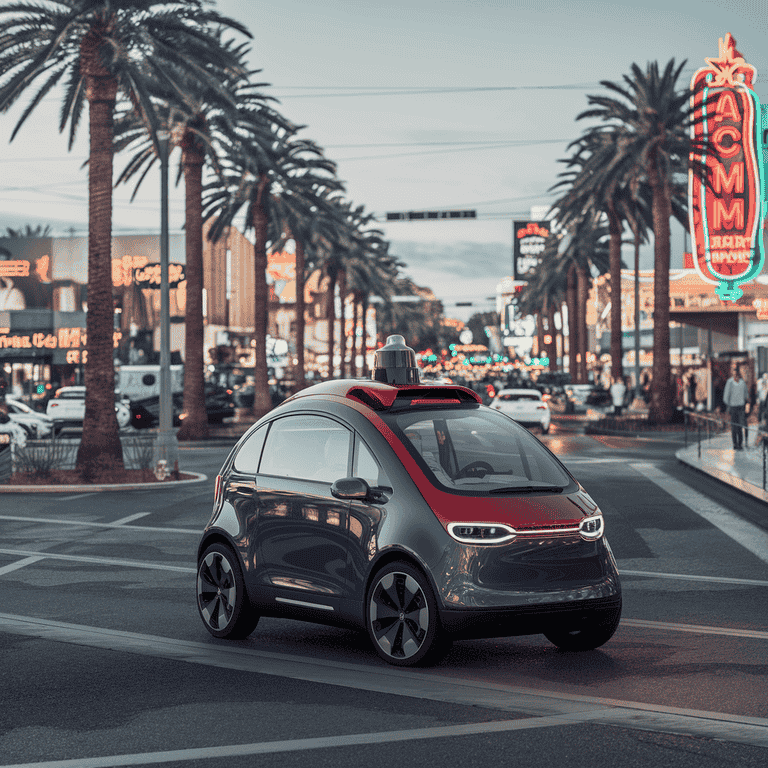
column 331, row 313
column 552, row 346
column 262, row 402
column 100, row 448
column 582, row 299
column 343, row 324
column 194, row 426
column 614, row 260
column 355, row 321
column 661, row 405
column 364, row 337
column 300, row 373
column 572, row 335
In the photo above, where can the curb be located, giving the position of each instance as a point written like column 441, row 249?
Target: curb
column 740, row 484
column 198, row 478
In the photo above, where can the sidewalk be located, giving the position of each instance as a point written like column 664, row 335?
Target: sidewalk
column 716, row 457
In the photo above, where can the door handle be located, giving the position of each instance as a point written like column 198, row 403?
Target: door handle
column 243, row 486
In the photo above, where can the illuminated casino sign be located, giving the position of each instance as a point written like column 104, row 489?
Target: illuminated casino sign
column 530, row 242
column 726, row 214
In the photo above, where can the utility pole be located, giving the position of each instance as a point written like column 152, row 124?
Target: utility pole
column 166, row 453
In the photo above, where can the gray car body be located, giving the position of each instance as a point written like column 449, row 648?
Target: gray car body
column 521, row 587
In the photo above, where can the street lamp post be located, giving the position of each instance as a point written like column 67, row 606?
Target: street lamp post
column 166, row 452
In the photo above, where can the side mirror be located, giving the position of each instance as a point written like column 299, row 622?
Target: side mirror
column 357, row 489
column 351, row 488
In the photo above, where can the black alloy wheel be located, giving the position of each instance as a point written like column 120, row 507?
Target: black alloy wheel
column 593, row 631
column 402, row 618
column 221, row 597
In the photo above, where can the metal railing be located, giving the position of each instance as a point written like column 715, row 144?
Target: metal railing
column 706, row 426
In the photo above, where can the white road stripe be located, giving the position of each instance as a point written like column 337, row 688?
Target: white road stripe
column 698, row 629
column 76, row 496
column 122, row 521
column 750, row 537
column 323, row 742
column 87, row 523
column 20, row 564
column 567, row 708
column 112, row 561
column 686, row 577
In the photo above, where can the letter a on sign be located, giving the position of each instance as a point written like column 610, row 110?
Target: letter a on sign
column 726, row 183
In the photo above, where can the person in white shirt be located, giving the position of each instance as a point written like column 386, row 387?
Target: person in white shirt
column 735, row 399
column 618, row 390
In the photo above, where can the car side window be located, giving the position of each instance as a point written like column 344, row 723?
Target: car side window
column 247, row 458
column 366, row 466
column 308, row 448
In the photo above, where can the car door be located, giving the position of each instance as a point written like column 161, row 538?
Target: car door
column 302, row 527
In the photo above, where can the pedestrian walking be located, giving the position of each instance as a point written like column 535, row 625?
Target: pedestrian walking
column 735, row 399
column 761, row 396
column 618, row 390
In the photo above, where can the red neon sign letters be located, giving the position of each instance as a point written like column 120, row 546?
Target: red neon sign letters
column 726, row 214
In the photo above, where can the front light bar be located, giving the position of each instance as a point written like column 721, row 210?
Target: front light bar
column 481, row 533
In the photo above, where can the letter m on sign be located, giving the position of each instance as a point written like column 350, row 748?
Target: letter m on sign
column 728, row 218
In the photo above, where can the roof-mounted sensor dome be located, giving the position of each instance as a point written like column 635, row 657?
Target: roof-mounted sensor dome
column 395, row 363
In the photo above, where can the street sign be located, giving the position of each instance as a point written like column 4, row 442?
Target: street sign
column 430, row 215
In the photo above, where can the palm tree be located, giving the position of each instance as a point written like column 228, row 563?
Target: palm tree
column 102, row 50
column 194, row 118
column 657, row 118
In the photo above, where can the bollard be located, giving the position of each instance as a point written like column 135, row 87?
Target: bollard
column 6, row 461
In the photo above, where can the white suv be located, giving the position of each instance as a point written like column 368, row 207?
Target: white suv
column 67, row 408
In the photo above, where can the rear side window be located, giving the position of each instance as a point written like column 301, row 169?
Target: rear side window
column 247, row 458
column 307, row 448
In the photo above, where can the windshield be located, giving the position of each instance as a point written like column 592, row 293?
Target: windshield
column 477, row 450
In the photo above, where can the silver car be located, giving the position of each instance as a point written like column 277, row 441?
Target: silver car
column 37, row 425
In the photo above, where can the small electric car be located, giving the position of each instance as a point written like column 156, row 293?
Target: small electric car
column 412, row 512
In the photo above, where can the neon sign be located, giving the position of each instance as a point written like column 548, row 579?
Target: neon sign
column 726, row 215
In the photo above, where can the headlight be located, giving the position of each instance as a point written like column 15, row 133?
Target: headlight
column 591, row 528
column 481, row 533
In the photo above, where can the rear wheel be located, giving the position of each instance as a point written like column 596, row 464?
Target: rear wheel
column 591, row 632
column 221, row 597
column 402, row 619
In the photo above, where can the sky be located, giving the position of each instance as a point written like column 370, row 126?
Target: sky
column 424, row 105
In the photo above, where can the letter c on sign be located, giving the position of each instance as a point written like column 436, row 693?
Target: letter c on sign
column 720, row 133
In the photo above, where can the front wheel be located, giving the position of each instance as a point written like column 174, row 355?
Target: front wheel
column 402, row 619
column 221, row 598
column 592, row 631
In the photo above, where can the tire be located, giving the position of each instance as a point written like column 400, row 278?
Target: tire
column 545, row 430
column 594, row 630
column 221, row 597
column 402, row 618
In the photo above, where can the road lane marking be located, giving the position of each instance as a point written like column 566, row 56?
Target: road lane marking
column 686, row 577
column 87, row 523
column 113, row 561
column 123, row 520
column 322, row 742
column 698, row 629
column 749, row 536
column 21, row 564
column 416, row 684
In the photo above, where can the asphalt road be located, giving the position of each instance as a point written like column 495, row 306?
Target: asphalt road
column 106, row 662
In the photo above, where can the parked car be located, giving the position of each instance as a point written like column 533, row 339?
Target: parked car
column 525, row 406
column 67, row 408
column 412, row 512
column 11, row 433
column 36, row 425
column 576, row 396
column 145, row 413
